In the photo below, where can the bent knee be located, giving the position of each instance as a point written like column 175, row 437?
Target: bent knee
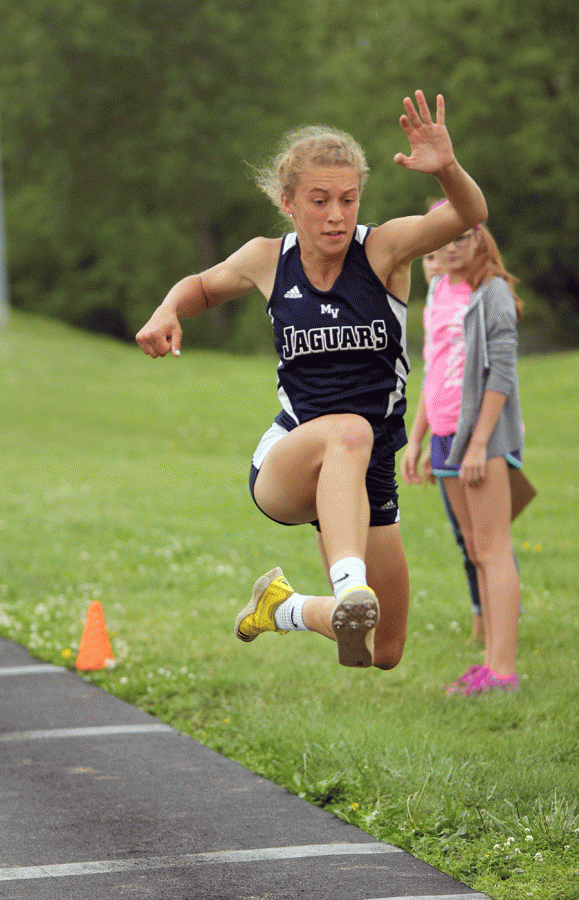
column 353, row 432
column 388, row 657
column 387, row 664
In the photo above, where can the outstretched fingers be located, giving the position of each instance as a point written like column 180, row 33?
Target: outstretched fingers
column 414, row 119
column 440, row 110
column 431, row 148
column 411, row 118
column 423, row 108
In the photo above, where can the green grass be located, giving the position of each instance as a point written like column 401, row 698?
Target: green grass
column 125, row 480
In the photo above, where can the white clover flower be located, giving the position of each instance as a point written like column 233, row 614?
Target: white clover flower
column 538, row 856
column 529, row 838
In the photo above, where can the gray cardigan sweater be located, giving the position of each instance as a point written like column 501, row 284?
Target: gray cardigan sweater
column 490, row 333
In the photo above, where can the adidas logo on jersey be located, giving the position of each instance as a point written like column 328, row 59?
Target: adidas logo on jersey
column 294, row 293
column 389, row 505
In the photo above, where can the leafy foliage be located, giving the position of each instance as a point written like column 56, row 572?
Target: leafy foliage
column 127, row 129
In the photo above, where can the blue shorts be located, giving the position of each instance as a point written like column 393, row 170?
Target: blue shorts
column 440, row 449
column 380, row 479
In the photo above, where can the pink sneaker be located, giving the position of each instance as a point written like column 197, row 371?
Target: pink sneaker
column 455, row 687
column 484, row 682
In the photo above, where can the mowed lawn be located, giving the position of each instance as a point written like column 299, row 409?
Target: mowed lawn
column 125, row 480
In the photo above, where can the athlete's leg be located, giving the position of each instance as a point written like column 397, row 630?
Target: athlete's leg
column 388, row 577
column 318, row 471
column 350, row 621
column 490, row 547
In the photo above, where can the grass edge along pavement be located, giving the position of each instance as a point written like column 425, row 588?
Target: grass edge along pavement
column 125, row 482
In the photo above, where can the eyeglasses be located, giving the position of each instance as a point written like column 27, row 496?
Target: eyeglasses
column 461, row 240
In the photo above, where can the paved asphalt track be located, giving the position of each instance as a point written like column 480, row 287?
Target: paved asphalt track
column 99, row 799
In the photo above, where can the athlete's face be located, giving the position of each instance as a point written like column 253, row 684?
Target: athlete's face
column 325, row 207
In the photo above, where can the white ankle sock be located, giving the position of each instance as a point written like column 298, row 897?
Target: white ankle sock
column 288, row 615
column 347, row 573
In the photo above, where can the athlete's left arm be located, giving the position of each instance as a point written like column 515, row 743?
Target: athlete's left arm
column 391, row 247
column 408, row 238
column 397, row 242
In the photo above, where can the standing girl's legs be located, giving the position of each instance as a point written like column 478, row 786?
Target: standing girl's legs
column 469, row 568
column 484, row 514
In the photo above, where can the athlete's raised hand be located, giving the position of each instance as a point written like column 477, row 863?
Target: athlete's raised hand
column 429, row 141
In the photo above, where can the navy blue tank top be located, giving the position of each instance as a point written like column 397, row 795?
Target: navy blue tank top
column 342, row 350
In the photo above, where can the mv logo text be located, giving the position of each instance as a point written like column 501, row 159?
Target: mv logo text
column 329, row 310
column 302, row 341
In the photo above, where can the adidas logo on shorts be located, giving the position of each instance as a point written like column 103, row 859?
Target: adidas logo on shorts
column 293, row 293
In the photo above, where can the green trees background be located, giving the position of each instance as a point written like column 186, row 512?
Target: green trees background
column 129, row 130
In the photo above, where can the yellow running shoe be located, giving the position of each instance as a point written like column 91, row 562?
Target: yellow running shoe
column 353, row 622
column 268, row 592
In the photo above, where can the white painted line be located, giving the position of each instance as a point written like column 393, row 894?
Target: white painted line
column 31, row 670
column 220, row 857
column 439, row 897
column 93, row 731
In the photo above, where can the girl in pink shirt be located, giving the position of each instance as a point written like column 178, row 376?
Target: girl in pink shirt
column 444, row 355
column 476, row 474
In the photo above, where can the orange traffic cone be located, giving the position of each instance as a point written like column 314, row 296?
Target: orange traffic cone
column 95, row 650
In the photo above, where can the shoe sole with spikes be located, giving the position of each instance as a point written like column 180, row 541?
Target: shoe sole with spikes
column 353, row 622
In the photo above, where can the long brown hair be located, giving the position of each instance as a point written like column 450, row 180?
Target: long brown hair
column 487, row 262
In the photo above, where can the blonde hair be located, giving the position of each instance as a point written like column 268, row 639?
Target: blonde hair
column 313, row 145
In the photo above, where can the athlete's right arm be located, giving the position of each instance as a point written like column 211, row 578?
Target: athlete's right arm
column 252, row 266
